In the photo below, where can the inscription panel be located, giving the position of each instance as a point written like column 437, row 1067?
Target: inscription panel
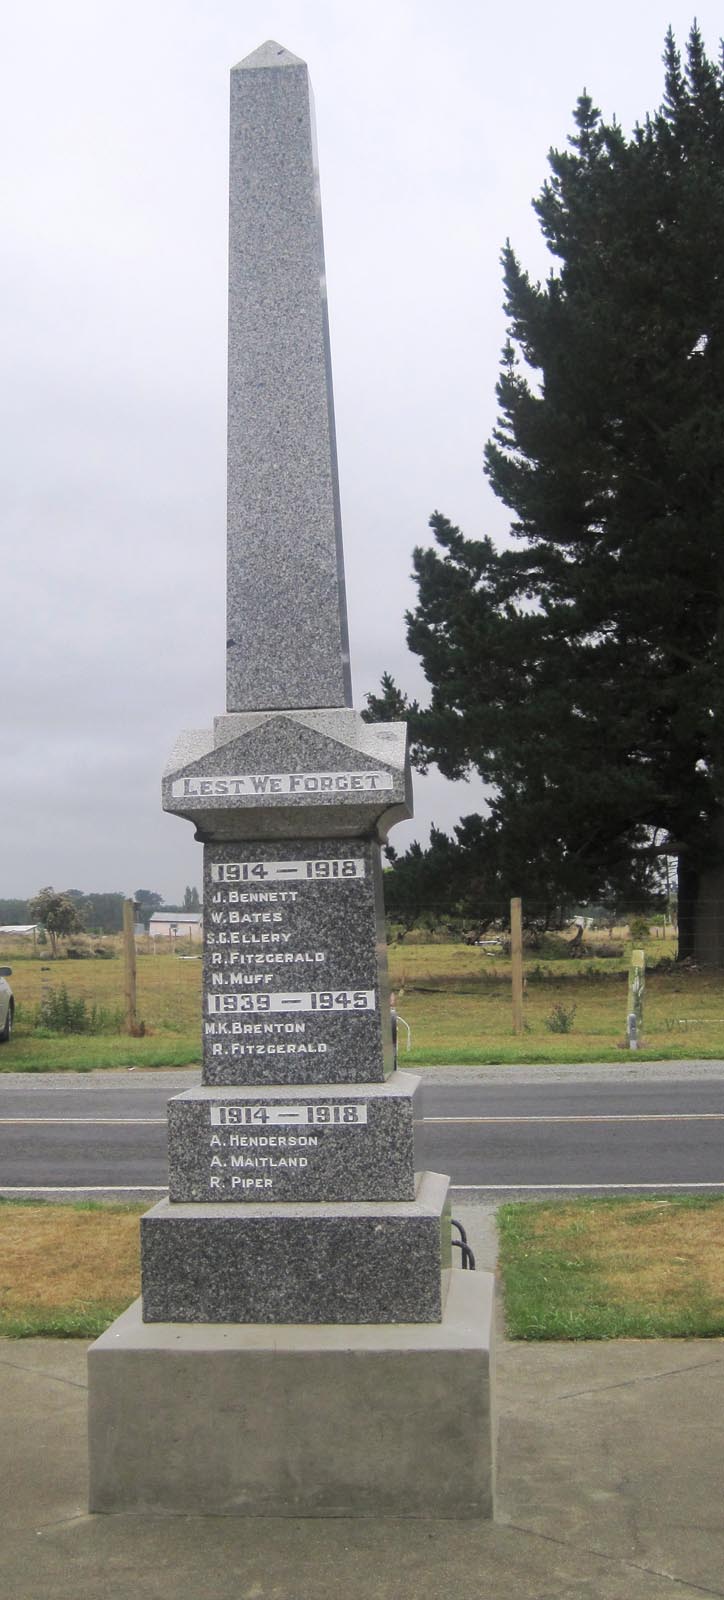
column 311, row 869
column 305, row 785
column 300, row 1116
column 295, row 969
column 318, row 1145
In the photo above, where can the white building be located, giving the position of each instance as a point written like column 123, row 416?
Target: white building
column 176, row 925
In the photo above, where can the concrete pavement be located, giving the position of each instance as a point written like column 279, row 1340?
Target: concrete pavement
column 611, row 1487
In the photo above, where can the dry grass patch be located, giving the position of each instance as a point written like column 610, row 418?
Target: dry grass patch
column 66, row 1269
column 594, row 1269
column 689, row 1248
column 646, row 1247
column 169, row 988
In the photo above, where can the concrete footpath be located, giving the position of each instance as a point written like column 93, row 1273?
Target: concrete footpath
column 610, row 1487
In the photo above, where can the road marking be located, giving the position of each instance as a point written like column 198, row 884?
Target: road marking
column 87, row 1188
column 603, row 1116
column 82, row 1122
column 503, row 1121
column 457, row 1188
column 536, row 1188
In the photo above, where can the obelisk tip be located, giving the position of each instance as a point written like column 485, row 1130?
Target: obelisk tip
column 269, row 54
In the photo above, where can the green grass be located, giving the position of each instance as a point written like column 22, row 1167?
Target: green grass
column 88, row 1321
column 456, row 998
column 169, row 1003
column 638, row 1268
column 81, row 1053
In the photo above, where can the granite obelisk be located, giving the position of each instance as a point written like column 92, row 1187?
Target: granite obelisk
column 287, row 642
column 302, row 1345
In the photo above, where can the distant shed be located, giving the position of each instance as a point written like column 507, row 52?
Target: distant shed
column 20, row 930
column 176, row 925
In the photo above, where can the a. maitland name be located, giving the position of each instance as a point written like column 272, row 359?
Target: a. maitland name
column 261, row 783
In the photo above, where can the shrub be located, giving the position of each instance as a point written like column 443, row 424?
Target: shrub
column 560, row 1019
column 87, row 950
column 58, row 1012
column 639, row 929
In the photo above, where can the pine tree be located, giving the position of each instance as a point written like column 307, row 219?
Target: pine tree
column 580, row 672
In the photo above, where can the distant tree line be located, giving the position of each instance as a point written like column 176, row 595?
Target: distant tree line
column 452, row 888
column 73, row 911
column 94, row 913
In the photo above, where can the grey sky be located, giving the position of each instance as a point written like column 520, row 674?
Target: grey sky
column 433, row 124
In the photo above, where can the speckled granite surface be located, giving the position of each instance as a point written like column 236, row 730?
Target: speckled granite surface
column 357, row 1262
column 283, row 773
column 287, row 639
column 292, row 1144
column 278, row 1213
column 295, row 964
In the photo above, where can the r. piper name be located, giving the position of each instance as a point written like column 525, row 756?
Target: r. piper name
column 267, row 783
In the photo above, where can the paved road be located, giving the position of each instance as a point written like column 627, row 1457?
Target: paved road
column 530, row 1131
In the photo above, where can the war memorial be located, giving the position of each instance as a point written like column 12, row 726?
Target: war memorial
column 303, row 1345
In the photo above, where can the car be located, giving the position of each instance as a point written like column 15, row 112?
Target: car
column 7, row 1005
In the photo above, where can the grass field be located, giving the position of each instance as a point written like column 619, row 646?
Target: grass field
column 609, row 1269
column 455, row 998
column 457, row 1002
column 169, row 1002
column 586, row 1269
column 66, row 1270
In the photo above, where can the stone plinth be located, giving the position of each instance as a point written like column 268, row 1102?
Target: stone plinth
column 298, row 1421
column 294, row 1144
column 290, row 774
column 351, row 1262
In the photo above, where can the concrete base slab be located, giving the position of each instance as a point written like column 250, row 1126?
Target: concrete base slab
column 295, row 1421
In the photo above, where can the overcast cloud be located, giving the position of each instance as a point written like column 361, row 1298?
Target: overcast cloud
column 433, row 124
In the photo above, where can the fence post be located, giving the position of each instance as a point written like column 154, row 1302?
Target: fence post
column 129, row 951
column 516, row 962
column 636, row 982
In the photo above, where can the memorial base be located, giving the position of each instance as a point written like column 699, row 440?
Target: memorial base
column 350, row 1262
column 297, row 1421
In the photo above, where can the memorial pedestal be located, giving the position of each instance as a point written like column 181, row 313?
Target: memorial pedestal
column 305, row 1421
column 302, row 1346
